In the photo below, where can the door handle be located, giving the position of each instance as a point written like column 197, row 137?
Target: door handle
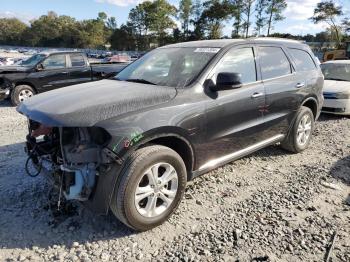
column 64, row 72
column 300, row 85
column 257, row 94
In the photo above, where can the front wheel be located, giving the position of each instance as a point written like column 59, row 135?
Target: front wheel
column 21, row 93
column 300, row 135
column 150, row 187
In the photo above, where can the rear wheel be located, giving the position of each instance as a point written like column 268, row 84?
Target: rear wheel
column 300, row 135
column 21, row 93
column 150, row 187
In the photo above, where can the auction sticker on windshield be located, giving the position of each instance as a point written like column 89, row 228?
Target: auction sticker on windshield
column 206, row 50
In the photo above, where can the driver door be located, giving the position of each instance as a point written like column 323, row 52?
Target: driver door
column 54, row 73
column 235, row 116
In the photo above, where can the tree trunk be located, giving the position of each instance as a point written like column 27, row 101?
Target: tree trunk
column 270, row 20
column 248, row 21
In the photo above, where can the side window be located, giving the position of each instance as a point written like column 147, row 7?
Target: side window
column 77, row 60
column 55, row 62
column 239, row 61
column 302, row 60
column 274, row 62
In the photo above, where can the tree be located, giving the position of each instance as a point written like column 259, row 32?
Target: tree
column 214, row 14
column 274, row 11
column 261, row 19
column 111, row 23
column 139, row 21
column 237, row 15
column 185, row 12
column 247, row 9
column 11, row 30
column 328, row 12
column 123, row 38
column 198, row 32
column 160, row 15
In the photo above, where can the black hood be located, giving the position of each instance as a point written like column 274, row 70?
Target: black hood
column 13, row 69
column 86, row 104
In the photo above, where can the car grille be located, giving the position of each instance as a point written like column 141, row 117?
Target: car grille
column 334, row 110
column 330, row 95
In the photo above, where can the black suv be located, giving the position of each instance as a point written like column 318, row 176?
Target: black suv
column 131, row 144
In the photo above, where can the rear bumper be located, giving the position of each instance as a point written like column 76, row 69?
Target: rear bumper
column 336, row 106
column 4, row 93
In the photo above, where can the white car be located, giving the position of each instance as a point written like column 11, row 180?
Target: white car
column 336, row 90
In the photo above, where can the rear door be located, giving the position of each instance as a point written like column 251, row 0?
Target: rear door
column 79, row 70
column 281, row 88
column 234, row 117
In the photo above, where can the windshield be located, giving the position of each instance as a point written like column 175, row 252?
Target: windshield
column 334, row 71
column 173, row 66
column 33, row 60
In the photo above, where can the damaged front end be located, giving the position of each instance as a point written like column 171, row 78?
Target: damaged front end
column 72, row 157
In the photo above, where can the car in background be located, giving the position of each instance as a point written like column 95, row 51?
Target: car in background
column 50, row 70
column 7, row 61
column 336, row 90
column 118, row 59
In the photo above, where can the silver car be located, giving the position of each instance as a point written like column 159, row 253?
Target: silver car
column 336, row 90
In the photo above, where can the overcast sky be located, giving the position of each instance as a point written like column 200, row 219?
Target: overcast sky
column 296, row 22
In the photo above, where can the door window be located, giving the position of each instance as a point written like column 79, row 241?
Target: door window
column 274, row 62
column 302, row 60
column 55, row 62
column 240, row 61
column 77, row 60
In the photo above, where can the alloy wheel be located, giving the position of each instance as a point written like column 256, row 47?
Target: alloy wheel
column 304, row 130
column 156, row 190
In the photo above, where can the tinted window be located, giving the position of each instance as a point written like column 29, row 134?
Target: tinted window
column 239, row 61
column 55, row 61
column 170, row 66
column 302, row 60
column 274, row 62
column 77, row 60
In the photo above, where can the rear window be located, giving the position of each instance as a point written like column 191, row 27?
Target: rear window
column 302, row 60
column 77, row 60
column 274, row 62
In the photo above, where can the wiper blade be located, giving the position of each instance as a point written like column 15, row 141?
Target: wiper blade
column 139, row 80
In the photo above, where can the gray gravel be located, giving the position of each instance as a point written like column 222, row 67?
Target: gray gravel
column 270, row 206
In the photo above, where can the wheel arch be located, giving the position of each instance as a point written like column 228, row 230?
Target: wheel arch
column 27, row 84
column 176, row 142
column 311, row 102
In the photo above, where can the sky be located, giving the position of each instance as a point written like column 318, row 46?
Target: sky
column 296, row 22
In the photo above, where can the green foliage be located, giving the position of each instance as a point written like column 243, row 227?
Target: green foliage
column 152, row 23
column 214, row 14
column 185, row 13
column 11, row 31
column 261, row 18
column 274, row 11
column 328, row 12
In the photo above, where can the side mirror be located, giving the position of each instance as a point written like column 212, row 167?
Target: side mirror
column 40, row 67
column 226, row 81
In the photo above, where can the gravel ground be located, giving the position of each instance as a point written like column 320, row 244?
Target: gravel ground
column 270, row 206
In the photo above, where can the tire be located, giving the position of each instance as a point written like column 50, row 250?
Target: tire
column 292, row 143
column 137, row 213
column 21, row 93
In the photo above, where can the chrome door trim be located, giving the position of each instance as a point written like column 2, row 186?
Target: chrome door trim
column 240, row 153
